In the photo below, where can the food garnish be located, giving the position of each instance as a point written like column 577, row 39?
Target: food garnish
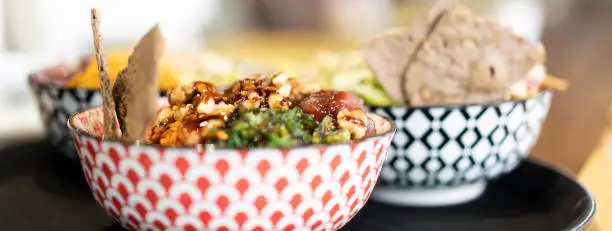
column 554, row 83
column 170, row 74
column 389, row 54
column 469, row 59
column 132, row 101
column 135, row 91
column 451, row 56
column 110, row 117
column 175, row 68
column 260, row 111
column 346, row 71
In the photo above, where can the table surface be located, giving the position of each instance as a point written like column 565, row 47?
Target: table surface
column 31, row 178
column 596, row 176
column 579, row 49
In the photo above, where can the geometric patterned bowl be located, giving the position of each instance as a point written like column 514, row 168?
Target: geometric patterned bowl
column 56, row 104
column 150, row 187
column 445, row 155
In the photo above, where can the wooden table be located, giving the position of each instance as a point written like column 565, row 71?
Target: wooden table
column 579, row 49
column 596, row 175
column 578, row 133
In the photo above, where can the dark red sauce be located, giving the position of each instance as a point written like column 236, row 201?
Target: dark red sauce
column 325, row 103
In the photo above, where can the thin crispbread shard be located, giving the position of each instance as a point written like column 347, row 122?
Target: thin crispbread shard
column 469, row 59
column 135, row 91
column 108, row 105
column 388, row 55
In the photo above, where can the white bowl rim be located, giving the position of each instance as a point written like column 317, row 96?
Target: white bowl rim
column 496, row 103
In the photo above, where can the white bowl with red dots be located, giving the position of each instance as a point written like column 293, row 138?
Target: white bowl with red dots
column 151, row 187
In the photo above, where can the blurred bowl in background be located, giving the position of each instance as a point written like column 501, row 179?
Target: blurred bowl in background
column 445, row 155
column 62, row 91
column 56, row 104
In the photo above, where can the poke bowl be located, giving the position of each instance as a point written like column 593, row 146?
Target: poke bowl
column 158, row 187
column 63, row 90
column 468, row 97
column 444, row 154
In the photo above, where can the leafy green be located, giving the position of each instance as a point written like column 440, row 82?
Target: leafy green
column 328, row 133
column 279, row 129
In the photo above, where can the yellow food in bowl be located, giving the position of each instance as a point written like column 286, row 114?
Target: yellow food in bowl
column 169, row 74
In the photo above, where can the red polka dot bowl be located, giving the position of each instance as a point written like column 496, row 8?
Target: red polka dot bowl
column 149, row 187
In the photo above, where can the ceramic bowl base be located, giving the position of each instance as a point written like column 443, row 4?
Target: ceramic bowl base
column 434, row 197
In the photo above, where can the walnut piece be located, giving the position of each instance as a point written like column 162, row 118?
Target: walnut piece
column 354, row 121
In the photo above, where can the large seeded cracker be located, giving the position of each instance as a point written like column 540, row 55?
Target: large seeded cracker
column 135, row 90
column 108, row 105
column 469, row 59
column 388, row 54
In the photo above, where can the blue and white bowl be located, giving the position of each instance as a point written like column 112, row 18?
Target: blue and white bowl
column 445, row 155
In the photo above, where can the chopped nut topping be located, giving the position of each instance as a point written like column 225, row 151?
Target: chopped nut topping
column 257, row 91
column 285, row 90
column 165, row 115
column 212, row 123
column 208, row 130
column 204, row 87
column 169, row 136
column 278, row 101
column 301, row 90
column 180, row 95
column 207, row 107
column 198, row 113
column 210, row 108
column 307, row 88
column 279, row 79
column 185, row 113
column 353, row 121
column 217, row 135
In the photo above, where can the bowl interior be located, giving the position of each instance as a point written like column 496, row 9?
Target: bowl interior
column 90, row 122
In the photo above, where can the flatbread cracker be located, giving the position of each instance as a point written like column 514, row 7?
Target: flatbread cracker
column 135, row 91
column 108, row 105
column 389, row 54
column 468, row 59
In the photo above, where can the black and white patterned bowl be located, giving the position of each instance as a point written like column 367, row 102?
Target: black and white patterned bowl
column 56, row 104
column 445, row 155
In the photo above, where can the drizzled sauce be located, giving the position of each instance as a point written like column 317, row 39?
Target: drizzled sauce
column 329, row 103
column 205, row 91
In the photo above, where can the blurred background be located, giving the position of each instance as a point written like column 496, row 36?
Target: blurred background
column 38, row 33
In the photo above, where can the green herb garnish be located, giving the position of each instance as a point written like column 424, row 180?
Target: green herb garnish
column 280, row 129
